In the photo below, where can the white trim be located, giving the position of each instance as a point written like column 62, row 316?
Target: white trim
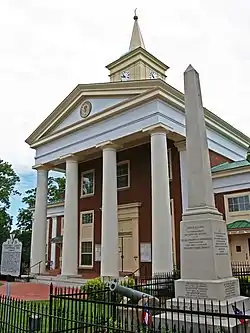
column 121, row 163
column 82, row 176
column 236, row 213
column 62, row 225
column 85, row 240
column 170, row 164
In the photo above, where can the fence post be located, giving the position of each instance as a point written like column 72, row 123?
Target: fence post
column 50, row 307
column 113, row 300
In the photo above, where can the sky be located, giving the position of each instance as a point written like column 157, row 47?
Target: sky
column 47, row 47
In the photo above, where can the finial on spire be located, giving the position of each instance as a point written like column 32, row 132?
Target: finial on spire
column 136, row 38
column 135, row 16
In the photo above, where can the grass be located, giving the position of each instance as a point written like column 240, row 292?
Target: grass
column 64, row 315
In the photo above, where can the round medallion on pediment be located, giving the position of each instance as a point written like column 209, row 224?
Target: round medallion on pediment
column 85, row 109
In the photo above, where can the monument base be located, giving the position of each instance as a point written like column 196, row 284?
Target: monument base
column 219, row 290
column 191, row 321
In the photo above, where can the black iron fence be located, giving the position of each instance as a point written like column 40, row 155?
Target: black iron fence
column 95, row 308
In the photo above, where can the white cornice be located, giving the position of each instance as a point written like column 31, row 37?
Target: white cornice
column 134, row 88
column 232, row 172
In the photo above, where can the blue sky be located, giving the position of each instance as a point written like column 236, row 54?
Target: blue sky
column 48, row 47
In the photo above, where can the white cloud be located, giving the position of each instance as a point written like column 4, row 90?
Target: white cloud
column 48, row 47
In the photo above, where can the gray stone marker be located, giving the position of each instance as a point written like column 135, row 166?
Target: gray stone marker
column 11, row 257
column 206, row 272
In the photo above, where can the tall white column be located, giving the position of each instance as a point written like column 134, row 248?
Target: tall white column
column 38, row 240
column 181, row 146
column 162, row 259
column 53, row 245
column 109, row 246
column 70, row 234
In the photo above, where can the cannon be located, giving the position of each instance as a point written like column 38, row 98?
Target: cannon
column 134, row 295
column 133, row 314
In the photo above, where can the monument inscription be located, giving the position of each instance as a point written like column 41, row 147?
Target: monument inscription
column 11, row 257
column 196, row 290
column 230, row 289
column 220, row 243
column 196, row 237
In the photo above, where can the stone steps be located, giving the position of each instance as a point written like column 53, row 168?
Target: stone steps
column 59, row 281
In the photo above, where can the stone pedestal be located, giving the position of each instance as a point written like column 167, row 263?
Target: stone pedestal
column 205, row 263
column 192, row 322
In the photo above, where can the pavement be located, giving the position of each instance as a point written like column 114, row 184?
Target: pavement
column 27, row 291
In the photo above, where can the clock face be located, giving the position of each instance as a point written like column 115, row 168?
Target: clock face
column 125, row 76
column 153, row 75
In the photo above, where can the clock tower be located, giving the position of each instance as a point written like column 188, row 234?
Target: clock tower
column 137, row 63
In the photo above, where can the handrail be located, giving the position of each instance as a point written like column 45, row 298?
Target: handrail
column 133, row 273
column 39, row 270
column 39, row 262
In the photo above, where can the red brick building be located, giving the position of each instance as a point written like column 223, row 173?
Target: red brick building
column 122, row 146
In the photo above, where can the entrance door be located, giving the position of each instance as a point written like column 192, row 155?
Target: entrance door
column 126, row 258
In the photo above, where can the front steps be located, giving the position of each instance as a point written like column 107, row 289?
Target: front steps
column 59, row 281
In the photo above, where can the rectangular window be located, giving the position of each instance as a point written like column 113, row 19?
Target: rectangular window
column 87, row 218
column 88, row 183
column 237, row 204
column 238, row 248
column 86, row 254
column 123, row 176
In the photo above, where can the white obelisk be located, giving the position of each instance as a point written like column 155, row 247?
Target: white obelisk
column 205, row 261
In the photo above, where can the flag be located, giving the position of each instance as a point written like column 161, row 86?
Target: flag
column 146, row 316
column 239, row 312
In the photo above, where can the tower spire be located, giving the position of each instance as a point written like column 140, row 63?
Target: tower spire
column 136, row 38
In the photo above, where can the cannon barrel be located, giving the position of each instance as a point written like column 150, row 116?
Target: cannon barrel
column 133, row 294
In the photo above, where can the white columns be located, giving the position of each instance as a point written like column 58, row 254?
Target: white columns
column 162, row 259
column 181, row 146
column 53, row 245
column 109, row 246
column 38, row 241
column 70, row 234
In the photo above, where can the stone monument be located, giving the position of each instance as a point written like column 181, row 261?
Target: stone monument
column 206, row 272
column 11, row 257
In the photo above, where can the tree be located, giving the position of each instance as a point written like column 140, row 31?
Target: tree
column 8, row 181
column 56, row 188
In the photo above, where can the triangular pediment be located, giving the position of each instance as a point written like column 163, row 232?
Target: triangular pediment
column 101, row 97
column 97, row 105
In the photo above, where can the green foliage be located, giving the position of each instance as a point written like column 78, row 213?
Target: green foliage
column 128, row 282
column 8, row 181
column 56, row 188
column 95, row 289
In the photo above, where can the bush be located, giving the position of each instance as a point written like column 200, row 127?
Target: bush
column 97, row 289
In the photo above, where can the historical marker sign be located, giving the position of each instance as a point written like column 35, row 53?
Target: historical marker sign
column 11, row 257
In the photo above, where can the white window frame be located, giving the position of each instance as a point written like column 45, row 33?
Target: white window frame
column 62, row 225
column 82, row 176
column 237, row 213
column 121, row 163
column 82, row 240
column 170, row 165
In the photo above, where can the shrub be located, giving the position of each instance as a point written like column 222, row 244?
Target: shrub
column 95, row 289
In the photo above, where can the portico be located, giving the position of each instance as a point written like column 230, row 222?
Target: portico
column 115, row 139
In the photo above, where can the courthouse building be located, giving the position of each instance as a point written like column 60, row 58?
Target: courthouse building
column 122, row 147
